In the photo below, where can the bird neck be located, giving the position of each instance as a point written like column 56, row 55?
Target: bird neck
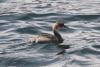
column 57, row 34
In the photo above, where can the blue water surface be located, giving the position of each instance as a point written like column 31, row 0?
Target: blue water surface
column 21, row 20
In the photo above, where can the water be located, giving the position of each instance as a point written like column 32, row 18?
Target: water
column 23, row 19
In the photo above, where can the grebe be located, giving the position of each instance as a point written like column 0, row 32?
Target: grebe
column 47, row 38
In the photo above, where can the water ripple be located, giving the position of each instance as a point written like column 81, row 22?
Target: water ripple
column 24, row 19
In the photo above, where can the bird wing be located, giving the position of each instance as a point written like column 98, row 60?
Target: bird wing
column 43, row 38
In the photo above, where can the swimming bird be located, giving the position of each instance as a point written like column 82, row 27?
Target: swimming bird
column 47, row 38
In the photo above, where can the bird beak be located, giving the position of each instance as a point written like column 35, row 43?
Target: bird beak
column 66, row 27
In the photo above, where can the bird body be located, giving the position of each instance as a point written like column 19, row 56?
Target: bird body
column 47, row 38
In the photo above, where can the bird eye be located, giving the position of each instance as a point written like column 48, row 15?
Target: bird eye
column 61, row 25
